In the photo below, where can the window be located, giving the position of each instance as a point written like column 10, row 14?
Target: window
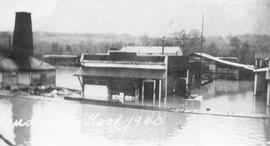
column 43, row 77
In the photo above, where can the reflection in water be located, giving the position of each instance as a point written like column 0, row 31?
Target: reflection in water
column 221, row 131
column 267, row 130
column 6, row 129
column 69, row 124
column 130, row 125
column 22, row 110
column 260, row 105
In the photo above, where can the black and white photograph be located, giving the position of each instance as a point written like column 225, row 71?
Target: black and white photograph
column 134, row 72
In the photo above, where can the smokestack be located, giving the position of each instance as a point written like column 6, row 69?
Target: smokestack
column 23, row 40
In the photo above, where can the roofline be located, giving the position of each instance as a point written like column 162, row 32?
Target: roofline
column 131, row 66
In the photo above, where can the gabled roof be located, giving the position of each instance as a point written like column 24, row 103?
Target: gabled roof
column 174, row 50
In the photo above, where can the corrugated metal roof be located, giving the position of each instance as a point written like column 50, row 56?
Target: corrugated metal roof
column 153, row 49
column 121, row 73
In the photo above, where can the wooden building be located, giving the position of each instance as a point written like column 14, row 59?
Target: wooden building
column 134, row 78
column 62, row 60
column 206, row 68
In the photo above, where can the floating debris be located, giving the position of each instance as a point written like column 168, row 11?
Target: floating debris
column 43, row 91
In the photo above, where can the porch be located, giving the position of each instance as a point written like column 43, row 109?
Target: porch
column 130, row 86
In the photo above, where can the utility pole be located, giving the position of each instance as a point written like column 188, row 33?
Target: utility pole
column 9, row 42
column 202, row 34
column 201, row 69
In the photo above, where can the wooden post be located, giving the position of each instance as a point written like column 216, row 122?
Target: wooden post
column 254, row 104
column 82, row 85
column 255, row 84
column 187, row 80
column 109, row 92
column 268, row 87
column 166, row 81
column 154, row 93
column 142, row 92
column 268, row 94
column 136, row 92
column 83, row 91
column 159, row 93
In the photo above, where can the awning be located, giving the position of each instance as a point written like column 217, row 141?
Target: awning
column 121, row 73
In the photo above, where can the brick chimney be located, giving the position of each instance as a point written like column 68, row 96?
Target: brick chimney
column 23, row 40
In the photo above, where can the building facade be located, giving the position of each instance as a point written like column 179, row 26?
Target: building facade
column 130, row 77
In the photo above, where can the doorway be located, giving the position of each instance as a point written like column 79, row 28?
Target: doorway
column 148, row 91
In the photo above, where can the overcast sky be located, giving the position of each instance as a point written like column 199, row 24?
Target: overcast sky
column 138, row 17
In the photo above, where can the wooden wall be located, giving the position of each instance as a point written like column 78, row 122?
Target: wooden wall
column 33, row 78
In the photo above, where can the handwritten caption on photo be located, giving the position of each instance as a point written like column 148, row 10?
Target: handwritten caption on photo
column 119, row 123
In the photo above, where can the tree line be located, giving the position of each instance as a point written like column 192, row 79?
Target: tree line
column 243, row 47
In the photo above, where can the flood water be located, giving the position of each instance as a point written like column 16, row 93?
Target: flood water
column 232, row 97
column 63, row 123
column 220, row 96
